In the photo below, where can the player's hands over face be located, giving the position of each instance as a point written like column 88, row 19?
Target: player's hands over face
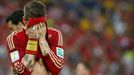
column 32, row 32
column 41, row 30
column 37, row 31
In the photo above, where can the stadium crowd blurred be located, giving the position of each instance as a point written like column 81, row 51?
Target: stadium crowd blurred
column 98, row 32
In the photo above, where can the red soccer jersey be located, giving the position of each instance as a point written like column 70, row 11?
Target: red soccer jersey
column 53, row 61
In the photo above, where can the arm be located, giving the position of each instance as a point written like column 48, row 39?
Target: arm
column 17, row 56
column 53, row 56
column 29, row 58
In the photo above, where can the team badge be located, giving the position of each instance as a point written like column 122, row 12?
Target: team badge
column 14, row 56
column 60, row 52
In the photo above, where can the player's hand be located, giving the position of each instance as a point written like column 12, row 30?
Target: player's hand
column 37, row 31
column 42, row 30
column 18, row 67
column 32, row 32
column 43, row 44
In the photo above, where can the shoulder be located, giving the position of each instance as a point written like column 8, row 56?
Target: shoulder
column 53, row 30
column 14, row 37
column 55, row 34
column 15, row 34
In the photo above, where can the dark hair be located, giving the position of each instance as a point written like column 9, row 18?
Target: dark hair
column 15, row 17
column 34, row 9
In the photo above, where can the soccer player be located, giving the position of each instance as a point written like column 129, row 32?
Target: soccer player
column 14, row 21
column 37, row 42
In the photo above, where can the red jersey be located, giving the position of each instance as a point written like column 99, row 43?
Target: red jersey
column 53, row 61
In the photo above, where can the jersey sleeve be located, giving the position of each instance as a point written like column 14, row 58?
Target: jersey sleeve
column 15, row 52
column 55, row 58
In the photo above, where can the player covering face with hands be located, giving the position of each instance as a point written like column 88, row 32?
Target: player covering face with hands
column 37, row 43
column 37, row 31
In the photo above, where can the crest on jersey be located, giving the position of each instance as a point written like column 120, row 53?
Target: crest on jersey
column 14, row 56
column 60, row 52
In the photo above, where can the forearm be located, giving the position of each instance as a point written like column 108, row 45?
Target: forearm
column 26, row 63
column 52, row 63
column 29, row 59
column 45, row 49
column 49, row 57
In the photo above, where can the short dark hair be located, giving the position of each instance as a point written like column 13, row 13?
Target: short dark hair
column 15, row 17
column 34, row 9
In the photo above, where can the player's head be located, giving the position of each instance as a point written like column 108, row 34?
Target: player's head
column 14, row 20
column 34, row 15
column 34, row 9
column 83, row 68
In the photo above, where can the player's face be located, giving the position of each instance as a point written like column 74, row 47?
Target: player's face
column 82, row 70
column 12, row 27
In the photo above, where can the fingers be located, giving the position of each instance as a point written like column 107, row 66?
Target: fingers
column 33, row 32
column 44, row 26
column 41, row 29
column 37, row 31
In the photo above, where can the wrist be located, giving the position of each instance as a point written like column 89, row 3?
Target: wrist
column 44, row 47
column 42, row 38
column 28, row 60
